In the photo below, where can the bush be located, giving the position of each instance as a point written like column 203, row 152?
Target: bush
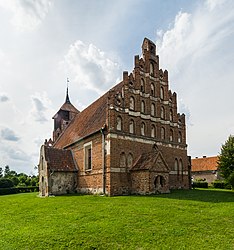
column 4, row 191
column 16, row 190
column 200, row 184
column 221, row 184
column 6, row 183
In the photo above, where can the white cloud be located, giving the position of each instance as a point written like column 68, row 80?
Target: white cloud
column 9, row 135
column 198, row 51
column 40, row 106
column 27, row 14
column 91, row 67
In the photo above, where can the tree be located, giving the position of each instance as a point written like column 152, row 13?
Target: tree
column 1, row 172
column 6, row 171
column 226, row 159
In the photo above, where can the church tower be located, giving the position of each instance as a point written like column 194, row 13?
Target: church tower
column 63, row 117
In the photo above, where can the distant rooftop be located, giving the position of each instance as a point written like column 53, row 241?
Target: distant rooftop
column 205, row 163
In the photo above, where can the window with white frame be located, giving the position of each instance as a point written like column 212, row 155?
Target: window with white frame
column 88, row 156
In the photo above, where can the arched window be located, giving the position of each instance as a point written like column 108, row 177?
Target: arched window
column 163, row 133
column 153, row 109
column 131, row 127
column 142, row 107
column 153, row 131
column 131, row 103
column 171, row 115
column 142, row 86
column 151, row 69
column 162, row 113
column 142, row 128
column 181, row 167
column 152, row 87
column 171, row 135
column 162, row 93
column 176, row 166
column 122, row 161
column 179, row 137
column 129, row 160
column 119, row 123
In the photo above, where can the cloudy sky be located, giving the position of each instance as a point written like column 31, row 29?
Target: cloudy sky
column 44, row 41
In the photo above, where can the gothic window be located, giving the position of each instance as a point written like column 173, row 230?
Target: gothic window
column 131, row 127
column 142, row 86
column 162, row 93
column 153, row 131
column 131, row 103
column 151, row 69
column 176, row 165
column 142, row 107
column 163, row 133
column 119, row 123
column 181, row 167
column 88, row 156
column 179, row 137
column 142, row 128
column 171, row 135
column 162, row 113
column 153, row 109
column 171, row 115
column 122, row 162
column 152, row 89
column 129, row 160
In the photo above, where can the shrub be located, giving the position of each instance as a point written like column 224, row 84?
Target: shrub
column 15, row 190
column 4, row 191
column 221, row 184
column 6, row 183
column 200, row 184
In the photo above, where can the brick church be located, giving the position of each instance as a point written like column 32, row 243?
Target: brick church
column 129, row 141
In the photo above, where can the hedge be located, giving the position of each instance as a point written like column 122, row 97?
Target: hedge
column 221, row 184
column 200, row 184
column 16, row 190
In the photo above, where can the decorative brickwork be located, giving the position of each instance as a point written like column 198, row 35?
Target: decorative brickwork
column 132, row 138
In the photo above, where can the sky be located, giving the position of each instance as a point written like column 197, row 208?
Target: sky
column 91, row 42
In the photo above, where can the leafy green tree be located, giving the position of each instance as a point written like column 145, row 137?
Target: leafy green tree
column 6, row 171
column 226, row 158
column 1, row 172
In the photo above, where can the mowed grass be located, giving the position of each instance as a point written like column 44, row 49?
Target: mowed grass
column 195, row 219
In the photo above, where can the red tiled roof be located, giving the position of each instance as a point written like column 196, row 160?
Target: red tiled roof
column 149, row 161
column 59, row 159
column 204, row 164
column 87, row 122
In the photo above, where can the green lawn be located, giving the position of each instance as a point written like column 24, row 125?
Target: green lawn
column 196, row 219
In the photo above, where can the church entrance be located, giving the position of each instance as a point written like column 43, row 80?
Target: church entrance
column 42, row 186
column 159, row 183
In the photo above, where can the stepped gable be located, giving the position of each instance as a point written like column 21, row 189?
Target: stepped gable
column 87, row 122
column 59, row 160
column 205, row 164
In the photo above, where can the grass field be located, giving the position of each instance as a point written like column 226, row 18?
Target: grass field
column 196, row 219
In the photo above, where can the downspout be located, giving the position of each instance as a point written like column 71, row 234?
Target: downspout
column 103, row 161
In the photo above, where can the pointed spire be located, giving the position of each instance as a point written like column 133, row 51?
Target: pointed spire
column 67, row 96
